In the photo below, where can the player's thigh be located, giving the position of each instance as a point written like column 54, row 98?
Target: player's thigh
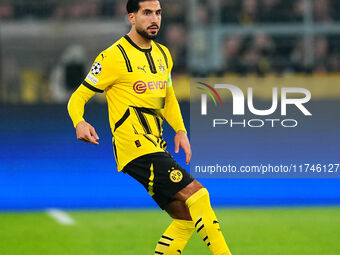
column 188, row 191
column 178, row 210
column 160, row 175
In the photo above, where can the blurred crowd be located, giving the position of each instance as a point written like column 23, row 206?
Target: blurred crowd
column 262, row 54
column 231, row 11
column 266, row 54
column 259, row 53
column 261, row 11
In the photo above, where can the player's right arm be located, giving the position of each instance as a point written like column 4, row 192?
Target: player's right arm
column 75, row 109
column 102, row 74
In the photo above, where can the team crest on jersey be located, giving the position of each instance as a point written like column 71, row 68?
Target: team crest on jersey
column 161, row 66
column 176, row 176
column 96, row 68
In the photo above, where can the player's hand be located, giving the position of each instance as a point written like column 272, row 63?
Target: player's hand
column 181, row 139
column 86, row 132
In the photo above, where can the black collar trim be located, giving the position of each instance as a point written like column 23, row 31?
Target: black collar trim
column 135, row 45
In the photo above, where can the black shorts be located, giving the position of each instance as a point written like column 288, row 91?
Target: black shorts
column 160, row 175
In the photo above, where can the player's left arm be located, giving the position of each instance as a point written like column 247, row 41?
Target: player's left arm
column 173, row 115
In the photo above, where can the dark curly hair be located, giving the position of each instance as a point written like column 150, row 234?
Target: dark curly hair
column 133, row 5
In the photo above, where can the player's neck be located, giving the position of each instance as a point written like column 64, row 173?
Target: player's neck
column 139, row 40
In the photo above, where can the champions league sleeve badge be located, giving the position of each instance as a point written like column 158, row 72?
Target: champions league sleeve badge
column 96, row 68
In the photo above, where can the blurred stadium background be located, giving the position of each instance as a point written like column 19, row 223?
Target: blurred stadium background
column 46, row 49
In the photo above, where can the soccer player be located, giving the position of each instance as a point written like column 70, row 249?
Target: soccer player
column 135, row 74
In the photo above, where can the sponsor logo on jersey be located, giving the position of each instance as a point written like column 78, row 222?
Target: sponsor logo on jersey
column 140, row 87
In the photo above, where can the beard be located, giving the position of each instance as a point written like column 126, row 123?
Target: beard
column 146, row 35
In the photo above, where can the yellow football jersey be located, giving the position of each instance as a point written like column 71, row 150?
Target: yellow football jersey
column 139, row 93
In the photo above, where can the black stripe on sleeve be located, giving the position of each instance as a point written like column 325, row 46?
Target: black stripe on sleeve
column 164, row 55
column 89, row 86
column 158, row 252
column 121, row 121
column 127, row 60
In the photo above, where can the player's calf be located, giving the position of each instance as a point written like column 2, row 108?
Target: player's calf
column 204, row 219
column 175, row 238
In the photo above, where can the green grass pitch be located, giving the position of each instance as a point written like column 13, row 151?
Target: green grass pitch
column 270, row 231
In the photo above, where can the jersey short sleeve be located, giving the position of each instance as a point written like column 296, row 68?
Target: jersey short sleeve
column 103, row 73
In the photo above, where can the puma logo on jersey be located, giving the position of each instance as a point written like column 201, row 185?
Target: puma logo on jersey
column 142, row 68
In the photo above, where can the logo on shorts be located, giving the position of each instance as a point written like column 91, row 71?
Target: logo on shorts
column 176, row 176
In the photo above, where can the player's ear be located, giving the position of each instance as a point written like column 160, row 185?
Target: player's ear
column 131, row 18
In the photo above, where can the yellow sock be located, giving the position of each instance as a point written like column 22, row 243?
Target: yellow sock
column 206, row 223
column 175, row 237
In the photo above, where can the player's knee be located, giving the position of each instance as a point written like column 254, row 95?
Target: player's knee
column 200, row 195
